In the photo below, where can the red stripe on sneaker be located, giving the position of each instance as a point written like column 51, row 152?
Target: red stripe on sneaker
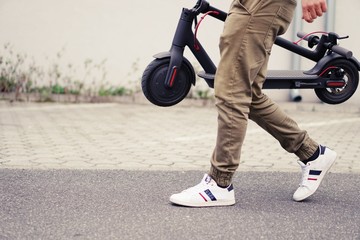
column 314, row 179
column 203, row 197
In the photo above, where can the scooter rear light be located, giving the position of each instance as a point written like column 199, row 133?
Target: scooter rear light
column 335, row 84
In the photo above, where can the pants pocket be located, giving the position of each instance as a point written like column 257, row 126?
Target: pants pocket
column 244, row 6
column 280, row 24
column 285, row 16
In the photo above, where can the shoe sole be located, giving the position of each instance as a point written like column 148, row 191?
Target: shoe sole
column 320, row 179
column 204, row 204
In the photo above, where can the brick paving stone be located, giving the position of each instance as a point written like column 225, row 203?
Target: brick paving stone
column 160, row 167
column 77, row 164
column 134, row 166
column 105, row 166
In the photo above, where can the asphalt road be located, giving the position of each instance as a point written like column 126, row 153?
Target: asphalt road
column 118, row 204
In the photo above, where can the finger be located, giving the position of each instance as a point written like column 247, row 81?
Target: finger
column 312, row 12
column 323, row 6
column 305, row 14
column 307, row 17
column 309, row 12
column 318, row 10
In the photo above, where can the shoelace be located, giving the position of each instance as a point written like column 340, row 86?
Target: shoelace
column 305, row 175
column 201, row 185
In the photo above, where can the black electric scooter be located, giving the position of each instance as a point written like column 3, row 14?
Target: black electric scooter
column 167, row 80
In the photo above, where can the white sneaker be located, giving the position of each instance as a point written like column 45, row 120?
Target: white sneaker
column 206, row 194
column 313, row 173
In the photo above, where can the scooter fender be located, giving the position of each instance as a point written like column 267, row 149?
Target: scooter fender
column 162, row 55
column 319, row 66
column 174, row 62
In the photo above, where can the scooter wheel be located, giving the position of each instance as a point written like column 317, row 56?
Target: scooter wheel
column 153, row 80
column 351, row 77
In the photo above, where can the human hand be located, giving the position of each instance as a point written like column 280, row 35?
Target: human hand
column 312, row 9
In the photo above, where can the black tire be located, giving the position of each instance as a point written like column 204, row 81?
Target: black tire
column 340, row 95
column 153, row 86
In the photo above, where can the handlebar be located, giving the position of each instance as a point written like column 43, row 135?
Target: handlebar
column 314, row 40
column 342, row 51
column 303, row 35
column 203, row 6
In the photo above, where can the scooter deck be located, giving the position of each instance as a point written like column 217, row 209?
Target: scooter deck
column 279, row 79
column 289, row 74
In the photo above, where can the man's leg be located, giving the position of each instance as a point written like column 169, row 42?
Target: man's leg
column 249, row 33
column 236, row 71
column 270, row 117
column 315, row 160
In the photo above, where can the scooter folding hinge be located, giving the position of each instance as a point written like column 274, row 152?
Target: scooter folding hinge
column 205, row 75
column 208, row 77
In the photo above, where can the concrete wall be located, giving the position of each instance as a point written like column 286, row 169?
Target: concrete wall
column 127, row 33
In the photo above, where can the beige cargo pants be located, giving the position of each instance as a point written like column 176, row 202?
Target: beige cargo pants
column 245, row 44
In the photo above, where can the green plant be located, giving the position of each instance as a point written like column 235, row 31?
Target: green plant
column 120, row 91
column 11, row 69
column 103, row 92
column 45, row 94
column 57, row 89
column 113, row 91
column 6, row 84
column 203, row 94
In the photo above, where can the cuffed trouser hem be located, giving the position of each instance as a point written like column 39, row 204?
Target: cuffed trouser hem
column 223, row 179
column 307, row 149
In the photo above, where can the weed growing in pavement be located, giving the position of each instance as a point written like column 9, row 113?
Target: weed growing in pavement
column 21, row 76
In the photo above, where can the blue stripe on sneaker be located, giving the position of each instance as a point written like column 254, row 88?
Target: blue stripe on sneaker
column 315, row 172
column 230, row 188
column 209, row 193
column 322, row 150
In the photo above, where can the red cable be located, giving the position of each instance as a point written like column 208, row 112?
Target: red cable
column 301, row 39
column 196, row 45
column 323, row 72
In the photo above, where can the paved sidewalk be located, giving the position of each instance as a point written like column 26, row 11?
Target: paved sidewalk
column 146, row 137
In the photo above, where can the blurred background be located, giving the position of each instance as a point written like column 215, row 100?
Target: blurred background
column 94, row 45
